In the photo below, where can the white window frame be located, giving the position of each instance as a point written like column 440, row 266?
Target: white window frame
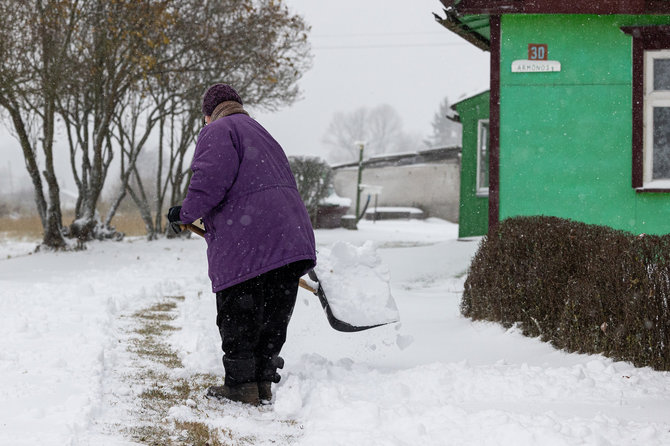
column 652, row 98
column 482, row 191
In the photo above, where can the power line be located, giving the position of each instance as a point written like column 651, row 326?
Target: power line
column 412, row 33
column 388, row 45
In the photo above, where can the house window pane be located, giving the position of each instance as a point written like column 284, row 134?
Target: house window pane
column 661, row 169
column 483, row 156
column 661, row 74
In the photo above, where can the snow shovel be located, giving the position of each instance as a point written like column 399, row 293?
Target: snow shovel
column 334, row 322
column 316, row 289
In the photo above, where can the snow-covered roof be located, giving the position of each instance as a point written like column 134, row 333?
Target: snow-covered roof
column 431, row 155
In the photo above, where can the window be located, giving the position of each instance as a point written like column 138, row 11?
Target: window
column 483, row 158
column 651, row 107
column 656, row 159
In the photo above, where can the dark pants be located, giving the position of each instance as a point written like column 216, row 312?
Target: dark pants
column 253, row 317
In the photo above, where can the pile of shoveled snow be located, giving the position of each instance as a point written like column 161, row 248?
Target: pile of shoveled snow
column 356, row 283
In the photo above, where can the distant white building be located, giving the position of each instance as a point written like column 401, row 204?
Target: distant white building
column 428, row 180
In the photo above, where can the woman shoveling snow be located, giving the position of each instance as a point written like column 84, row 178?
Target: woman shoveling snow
column 259, row 241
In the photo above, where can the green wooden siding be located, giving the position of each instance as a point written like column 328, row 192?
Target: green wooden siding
column 473, row 210
column 565, row 137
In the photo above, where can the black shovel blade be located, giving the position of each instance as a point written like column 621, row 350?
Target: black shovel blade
column 334, row 322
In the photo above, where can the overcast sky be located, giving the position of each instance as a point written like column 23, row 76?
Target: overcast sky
column 366, row 53
column 373, row 52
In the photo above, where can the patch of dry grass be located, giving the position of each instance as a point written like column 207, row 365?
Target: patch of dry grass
column 22, row 228
column 198, row 434
column 130, row 224
column 155, row 329
column 151, row 329
column 30, row 226
column 164, row 391
column 162, row 306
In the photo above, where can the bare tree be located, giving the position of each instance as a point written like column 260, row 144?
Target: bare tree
column 97, row 62
column 133, row 126
column 380, row 127
column 343, row 131
column 35, row 37
column 120, row 45
column 259, row 47
column 445, row 131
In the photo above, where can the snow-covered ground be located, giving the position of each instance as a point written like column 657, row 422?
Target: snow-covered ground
column 74, row 369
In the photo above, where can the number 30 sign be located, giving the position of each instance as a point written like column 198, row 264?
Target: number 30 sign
column 537, row 51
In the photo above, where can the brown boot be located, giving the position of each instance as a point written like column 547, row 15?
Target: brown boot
column 266, row 374
column 246, row 393
column 265, row 392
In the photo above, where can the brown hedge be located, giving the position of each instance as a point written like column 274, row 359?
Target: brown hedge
column 584, row 288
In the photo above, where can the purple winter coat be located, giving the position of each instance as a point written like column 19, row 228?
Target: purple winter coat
column 243, row 189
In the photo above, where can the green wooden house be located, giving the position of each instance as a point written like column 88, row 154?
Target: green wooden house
column 579, row 108
column 473, row 114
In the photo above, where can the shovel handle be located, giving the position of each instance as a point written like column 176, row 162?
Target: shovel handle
column 199, row 231
column 194, row 229
column 305, row 285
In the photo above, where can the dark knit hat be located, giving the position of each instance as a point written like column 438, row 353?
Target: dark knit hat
column 217, row 94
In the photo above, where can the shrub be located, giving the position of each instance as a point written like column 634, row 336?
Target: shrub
column 584, row 288
column 314, row 178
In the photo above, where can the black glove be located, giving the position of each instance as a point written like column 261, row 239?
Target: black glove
column 175, row 219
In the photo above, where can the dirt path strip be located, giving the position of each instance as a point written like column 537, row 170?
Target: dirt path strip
column 153, row 400
column 157, row 363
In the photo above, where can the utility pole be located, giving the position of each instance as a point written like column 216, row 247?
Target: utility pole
column 361, row 147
